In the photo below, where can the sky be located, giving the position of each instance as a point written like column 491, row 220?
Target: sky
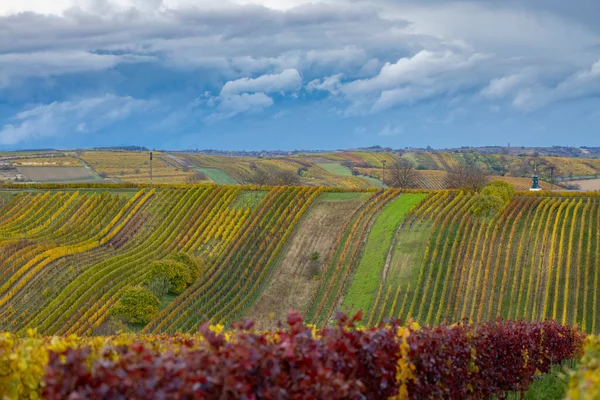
column 298, row 74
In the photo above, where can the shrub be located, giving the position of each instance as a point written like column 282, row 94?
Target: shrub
column 461, row 361
column 585, row 382
column 159, row 285
column 302, row 171
column 486, row 205
column 176, row 273
column 196, row 177
column 137, row 306
column 502, row 189
column 193, row 264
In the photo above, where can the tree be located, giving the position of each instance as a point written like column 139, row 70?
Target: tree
column 466, row 177
column 285, row 178
column 401, row 174
column 176, row 273
column 196, row 177
column 278, row 178
column 260, row 177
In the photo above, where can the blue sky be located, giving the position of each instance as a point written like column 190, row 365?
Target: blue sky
column 297, row 74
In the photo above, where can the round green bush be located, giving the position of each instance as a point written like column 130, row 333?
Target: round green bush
column 137, row 306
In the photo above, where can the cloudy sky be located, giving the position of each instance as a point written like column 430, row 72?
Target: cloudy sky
column 305, row 74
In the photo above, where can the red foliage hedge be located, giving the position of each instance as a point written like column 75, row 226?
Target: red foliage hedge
column 462, row 361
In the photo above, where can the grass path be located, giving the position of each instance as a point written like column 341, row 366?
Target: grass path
column 217, row 176
column 335, row 168
column 368, row 274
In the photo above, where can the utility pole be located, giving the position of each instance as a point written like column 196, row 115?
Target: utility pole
column 383, row 172
column 150, row 169
column 552, row 178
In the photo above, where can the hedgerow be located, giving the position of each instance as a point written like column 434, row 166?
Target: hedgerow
column 584, row 383
column 298, row 362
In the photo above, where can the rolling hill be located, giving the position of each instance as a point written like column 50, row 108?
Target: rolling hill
column 68, row 256
column 342, row 169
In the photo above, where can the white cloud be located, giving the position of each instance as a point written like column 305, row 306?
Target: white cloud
column 387, row 53
column 287, row 80
column 60, row 6
column 63, row 118
column 580, row 84
column 418, row 69
column 240, row 103
column 329, row 84
column 250, row 94
column 411, row 79
column 500, row 87
column 51, row 63
column 406, row 95
column 391, row 130
column 349, row 55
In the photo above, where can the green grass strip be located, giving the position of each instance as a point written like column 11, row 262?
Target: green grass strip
column 368, row 274
column 335, row 168
column 217, row 176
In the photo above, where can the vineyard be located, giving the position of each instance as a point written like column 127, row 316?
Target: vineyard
column 536, row 259
column 126, row 166
column 70, row 257
column 435, row 179
column 160, row 262
column 342, row 169
column 242, row 170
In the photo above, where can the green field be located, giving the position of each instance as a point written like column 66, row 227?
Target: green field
column 335, row 168
column 373, row 181
column 368, row 274
column 217, row 176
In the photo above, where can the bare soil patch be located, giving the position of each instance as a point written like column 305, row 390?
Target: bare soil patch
column 292, row 284
column 57, row 174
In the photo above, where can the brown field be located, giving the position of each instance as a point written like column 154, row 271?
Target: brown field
column 591, row 185
column 135, row 167
column 293, row 280
column 58, row 174
column 46, row 162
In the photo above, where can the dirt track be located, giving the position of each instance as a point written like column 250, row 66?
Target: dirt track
column 292, row 284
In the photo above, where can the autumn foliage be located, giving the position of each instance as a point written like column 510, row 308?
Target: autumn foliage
column 390, row 361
